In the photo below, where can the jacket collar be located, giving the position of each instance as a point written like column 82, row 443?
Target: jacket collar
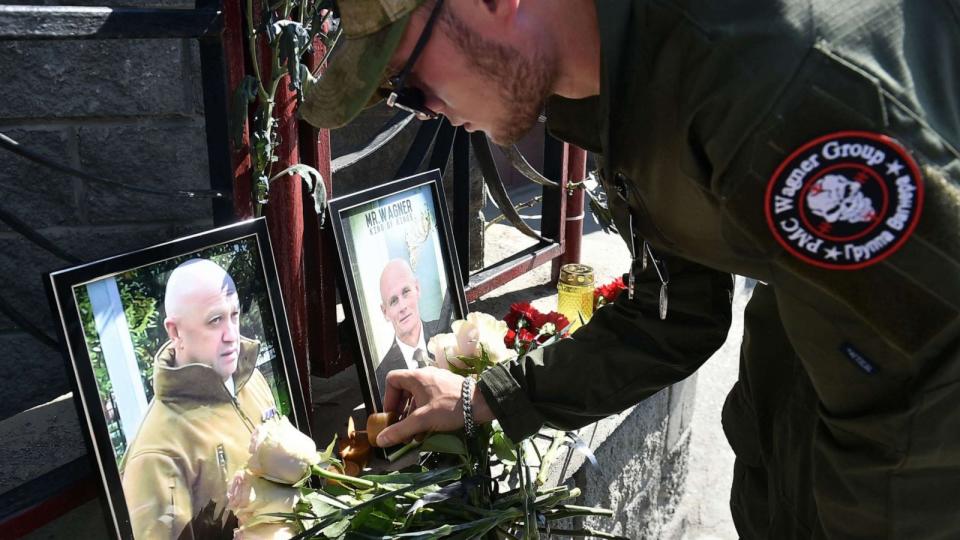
column 199, row 381
column 586, row 122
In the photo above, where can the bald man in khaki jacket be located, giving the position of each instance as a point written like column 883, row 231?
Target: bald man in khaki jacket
column 209, row 397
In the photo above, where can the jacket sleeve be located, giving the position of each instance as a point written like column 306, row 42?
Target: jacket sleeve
column 157, row 496
column 880, row 342
column 623, row 355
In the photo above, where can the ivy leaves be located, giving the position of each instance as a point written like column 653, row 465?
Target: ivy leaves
column 243, row 96
column 292, row 40
column 289, row 28
column 314, row 181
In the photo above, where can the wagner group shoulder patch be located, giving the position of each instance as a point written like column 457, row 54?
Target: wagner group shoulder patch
column 846, row 200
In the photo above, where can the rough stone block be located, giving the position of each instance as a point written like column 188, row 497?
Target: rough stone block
column 160, row 157
column 21, row 284
column 32, row 192
column 179, row 4
column 633, row 474
column 34, row 373
column 21, row 280
column 673, row 482
column 682, row 397
column 97, row 78
column 40, row 440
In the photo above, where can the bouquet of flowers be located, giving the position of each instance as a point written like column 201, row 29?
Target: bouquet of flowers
column 608, row 292
column 486, row 489
column 528, row 328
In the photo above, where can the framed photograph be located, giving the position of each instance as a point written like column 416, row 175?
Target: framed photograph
column 402, row 280
column 178, row 352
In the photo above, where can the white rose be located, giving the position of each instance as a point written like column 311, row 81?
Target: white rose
column 249, row 496
column 478, row 330
column 280, row 452
column 444, row 349
column 265, row 531
column 490, row 334
column 468, row 337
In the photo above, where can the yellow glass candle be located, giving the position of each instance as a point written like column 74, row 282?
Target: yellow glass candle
column 575, row 293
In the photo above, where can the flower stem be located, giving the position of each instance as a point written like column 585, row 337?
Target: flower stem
column 403, row 450
column 549, row 457
column 585, row 532
column 343, row 478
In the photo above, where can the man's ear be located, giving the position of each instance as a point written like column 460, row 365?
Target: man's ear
column 172, row 332
column 384, row 311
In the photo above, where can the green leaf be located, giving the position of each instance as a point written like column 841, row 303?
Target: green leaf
column 245, row 93
column 459, row 371
column 328, row 452
column 504, row 448
column 476, row 365
column 374, row 519
column 314, row 181
column 336, row 530
column 445, row 531
column 424, row 479
column 322, row 504
column 398, row 478
column 444, row 443
column 294, row 40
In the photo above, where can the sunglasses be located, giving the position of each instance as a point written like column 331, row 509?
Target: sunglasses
column 409, row 98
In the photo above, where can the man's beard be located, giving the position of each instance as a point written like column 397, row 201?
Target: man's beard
column 524, row 83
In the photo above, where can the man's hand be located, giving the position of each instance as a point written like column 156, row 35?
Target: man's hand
column 436, row 393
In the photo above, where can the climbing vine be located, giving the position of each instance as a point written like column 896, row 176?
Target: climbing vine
column 287, row 29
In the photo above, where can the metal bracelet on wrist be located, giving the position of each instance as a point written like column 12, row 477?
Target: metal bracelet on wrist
column 466, row 394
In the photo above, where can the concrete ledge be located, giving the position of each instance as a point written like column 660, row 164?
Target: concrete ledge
column 39, row 440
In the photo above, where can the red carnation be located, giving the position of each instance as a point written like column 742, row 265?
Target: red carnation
column 607, row 293
column 521, row 314
column 558, row 320
column 510, row 338
column 526, row 336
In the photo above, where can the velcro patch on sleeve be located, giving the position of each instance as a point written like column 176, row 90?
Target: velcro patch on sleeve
column 846, row 200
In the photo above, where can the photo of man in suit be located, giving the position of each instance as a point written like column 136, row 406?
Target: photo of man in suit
column 399, row 303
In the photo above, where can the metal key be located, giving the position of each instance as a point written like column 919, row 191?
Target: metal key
column 663, row 301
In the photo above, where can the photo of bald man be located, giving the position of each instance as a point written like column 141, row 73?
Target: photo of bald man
column 400, row 306
column 208, row 399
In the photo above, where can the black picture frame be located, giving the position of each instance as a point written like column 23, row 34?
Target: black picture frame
column 115, row 282
column 374, row 228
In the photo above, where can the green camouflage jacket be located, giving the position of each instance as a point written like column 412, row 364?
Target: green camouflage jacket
column 814, row 146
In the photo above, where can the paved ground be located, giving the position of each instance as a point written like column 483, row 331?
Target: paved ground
column 705, row 501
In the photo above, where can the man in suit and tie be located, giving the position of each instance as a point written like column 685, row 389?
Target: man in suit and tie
column 399, row 302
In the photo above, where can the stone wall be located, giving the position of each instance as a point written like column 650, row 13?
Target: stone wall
column 643, row 454
column 130, row 111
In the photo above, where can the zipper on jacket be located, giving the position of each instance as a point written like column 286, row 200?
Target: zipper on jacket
column 246, row 420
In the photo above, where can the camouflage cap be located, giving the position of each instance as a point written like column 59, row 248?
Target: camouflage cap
column 371, row 32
